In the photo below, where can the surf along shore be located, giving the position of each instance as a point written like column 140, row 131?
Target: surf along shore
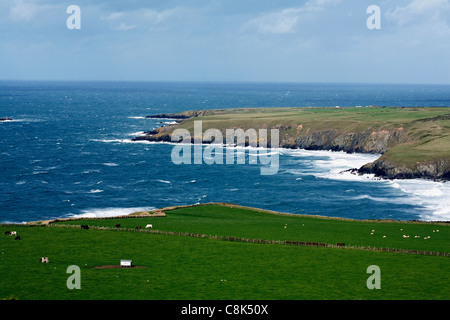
column 414, row 142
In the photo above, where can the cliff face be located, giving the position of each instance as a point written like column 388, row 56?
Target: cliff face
column 376, row 142
column 433, row 170
column 363, row 142
column 394, row 142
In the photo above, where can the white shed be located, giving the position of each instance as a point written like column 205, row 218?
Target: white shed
column 126, row 263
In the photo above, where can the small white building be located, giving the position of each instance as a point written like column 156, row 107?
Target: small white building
column 126, row 263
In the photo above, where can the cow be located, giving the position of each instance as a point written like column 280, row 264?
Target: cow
column 13, row 233
column 138, row 227
column 118, row 225
column 7, row 233
column 85, row 227
column 149, row 226
column 17, row 238
column 44, row 260
column 341, row 244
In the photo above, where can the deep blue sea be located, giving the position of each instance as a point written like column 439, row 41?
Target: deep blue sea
column 69, row 152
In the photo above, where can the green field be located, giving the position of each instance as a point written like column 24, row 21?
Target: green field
column 182, row 267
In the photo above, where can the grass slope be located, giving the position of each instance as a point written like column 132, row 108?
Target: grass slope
column 188, row 268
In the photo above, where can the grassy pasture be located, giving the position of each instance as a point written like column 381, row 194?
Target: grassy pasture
column 185, row 268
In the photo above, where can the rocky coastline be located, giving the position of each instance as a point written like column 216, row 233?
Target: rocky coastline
column 373, row 142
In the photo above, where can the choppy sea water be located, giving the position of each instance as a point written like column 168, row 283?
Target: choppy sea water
column 69, row 152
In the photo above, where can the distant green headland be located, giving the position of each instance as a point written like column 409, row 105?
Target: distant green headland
column 413, row 142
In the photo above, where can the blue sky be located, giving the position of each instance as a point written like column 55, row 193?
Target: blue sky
column 226, row 40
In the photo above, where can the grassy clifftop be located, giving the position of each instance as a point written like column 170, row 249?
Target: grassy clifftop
column 414, row 142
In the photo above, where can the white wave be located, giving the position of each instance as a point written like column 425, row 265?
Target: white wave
column 95, row 191
column 332, row 165
column 121, row 141
column 136, row 117
column 89, row 171
column 13, row 222
column 107, row 212
column 20, row 120
column 110, row 164
column 433, row 196
column 139, row 133
column 264, row 153
column 39, row 172
column 397, row 200
column 167, row 119
column 169, row 122
column 164, row 181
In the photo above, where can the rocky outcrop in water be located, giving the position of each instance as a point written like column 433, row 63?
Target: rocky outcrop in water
column 432, row 170
column 6, row 119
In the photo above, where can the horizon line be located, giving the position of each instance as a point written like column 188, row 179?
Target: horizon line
column 222, row 82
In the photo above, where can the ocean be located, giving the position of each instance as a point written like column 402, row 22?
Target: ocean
column 69, row 152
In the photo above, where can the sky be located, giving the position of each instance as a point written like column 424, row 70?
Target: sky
column 227, row 40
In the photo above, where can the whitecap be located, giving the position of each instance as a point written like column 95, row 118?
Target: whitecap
column 122, row 141
column 433, row 196
column 108, row 212
column 111, row 164
column 397, row 200
column 332, row 165
column 95, row 191
column 39, row 172
column 90, row 171
column 139, row 133
column 136, row 117
column 13, row 222
column 21, row 120
column 164, row 181
column 169, row 122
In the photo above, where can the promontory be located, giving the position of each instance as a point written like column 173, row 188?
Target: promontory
column 413, row 142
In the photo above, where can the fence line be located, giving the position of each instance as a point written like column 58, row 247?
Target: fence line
column 261, row 241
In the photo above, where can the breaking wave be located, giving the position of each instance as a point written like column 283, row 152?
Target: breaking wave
column 107, row 212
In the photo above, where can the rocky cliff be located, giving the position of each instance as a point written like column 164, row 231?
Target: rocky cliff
column 432, row 170
column 297, row 136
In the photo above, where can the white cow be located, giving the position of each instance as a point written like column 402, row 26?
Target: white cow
column 13, row 233
column 149, row 226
